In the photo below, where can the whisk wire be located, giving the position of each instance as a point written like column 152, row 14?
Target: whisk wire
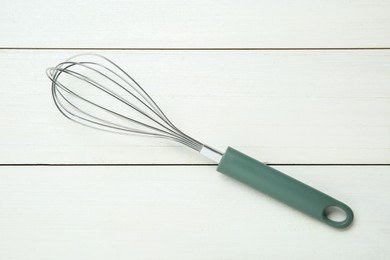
column 65, row 100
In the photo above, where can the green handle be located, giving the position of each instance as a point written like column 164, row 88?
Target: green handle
column 282, row 187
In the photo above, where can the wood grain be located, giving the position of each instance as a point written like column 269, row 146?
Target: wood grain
column 310, row 107
column 195, row 23
column 182, row 213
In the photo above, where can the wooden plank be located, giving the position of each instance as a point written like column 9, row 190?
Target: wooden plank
column 183, row 213
column 280, row 107
column 195, row 24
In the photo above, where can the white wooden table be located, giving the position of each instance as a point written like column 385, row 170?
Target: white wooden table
column 302, row 85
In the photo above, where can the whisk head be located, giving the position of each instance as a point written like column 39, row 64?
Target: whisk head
column 93, row 91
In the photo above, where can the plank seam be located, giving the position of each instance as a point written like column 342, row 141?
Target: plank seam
column 168, row 164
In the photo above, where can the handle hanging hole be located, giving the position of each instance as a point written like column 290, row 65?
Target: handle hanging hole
column 335, row 213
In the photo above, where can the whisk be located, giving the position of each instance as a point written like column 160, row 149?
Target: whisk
column 96, row 92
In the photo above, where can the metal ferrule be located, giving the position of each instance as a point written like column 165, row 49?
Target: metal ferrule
column 211, row 153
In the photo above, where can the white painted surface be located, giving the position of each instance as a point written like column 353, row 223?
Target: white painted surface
column 195, row 23
column 183, row 213
column 278, row 106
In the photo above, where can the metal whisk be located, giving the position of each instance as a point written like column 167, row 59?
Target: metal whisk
column 97, row 93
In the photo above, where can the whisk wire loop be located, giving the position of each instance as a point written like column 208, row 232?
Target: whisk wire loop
column 105, row 84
